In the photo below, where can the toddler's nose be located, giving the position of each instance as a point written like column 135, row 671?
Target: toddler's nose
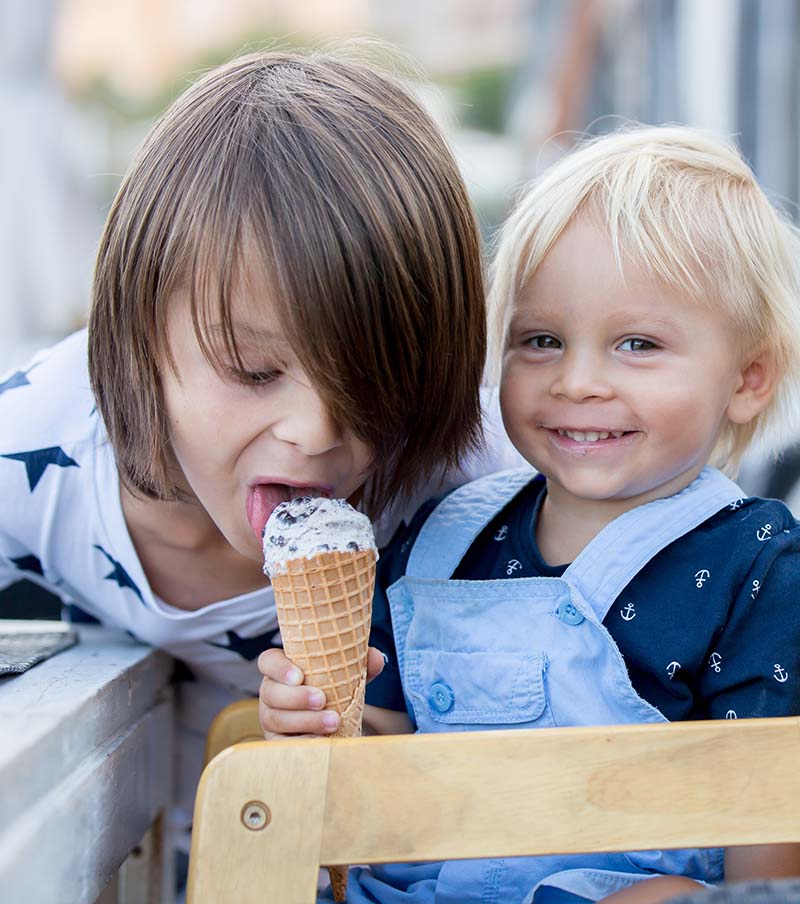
column 581, row 376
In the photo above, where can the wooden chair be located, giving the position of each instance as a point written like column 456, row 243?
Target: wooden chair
column 269, row 813
column 235, row 724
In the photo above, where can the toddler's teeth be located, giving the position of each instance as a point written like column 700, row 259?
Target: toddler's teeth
column 591, row 436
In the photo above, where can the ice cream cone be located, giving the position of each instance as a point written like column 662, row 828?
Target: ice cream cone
column 324, row 608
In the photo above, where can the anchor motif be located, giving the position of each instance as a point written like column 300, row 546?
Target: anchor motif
column 629, row 612
column 672, row 668
column 715, row 662
column 780, row 674
column 502, row 533
column 764, row 533
column 735, row 505
column 512, row 566
column 756, row 588
column 731, row 714
column 701, row 577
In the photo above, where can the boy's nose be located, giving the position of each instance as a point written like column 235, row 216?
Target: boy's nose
column 581, row 376
column 306, row 422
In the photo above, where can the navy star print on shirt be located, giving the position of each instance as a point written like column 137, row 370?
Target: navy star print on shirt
column 248, row 647
column 29, row 563
column 119, row 575
column 16, row 380
column 37, row 460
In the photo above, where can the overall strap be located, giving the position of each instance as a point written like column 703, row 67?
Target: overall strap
column 620, row 551
column 459, row 518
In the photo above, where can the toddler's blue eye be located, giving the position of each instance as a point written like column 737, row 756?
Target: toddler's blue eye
column 544, row 341
column 637, row 345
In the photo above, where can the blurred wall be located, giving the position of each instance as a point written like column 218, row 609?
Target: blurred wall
column 513, row 83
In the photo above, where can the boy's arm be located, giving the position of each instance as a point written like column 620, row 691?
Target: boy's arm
column 379, row 721
column 762, row 861
column 742, row 864
column 754, row 660
column 654, row 891
column 758, row 647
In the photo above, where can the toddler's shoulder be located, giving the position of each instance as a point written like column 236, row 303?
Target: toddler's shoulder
column 751, row 530
column 472, row 507
column 753, row 518
column 48, row 403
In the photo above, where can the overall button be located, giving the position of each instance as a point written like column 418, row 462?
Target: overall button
column 569, row 614
column 441, row 697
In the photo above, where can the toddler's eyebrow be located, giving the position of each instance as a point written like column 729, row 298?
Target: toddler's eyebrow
column 642, row 318
column 618, row 319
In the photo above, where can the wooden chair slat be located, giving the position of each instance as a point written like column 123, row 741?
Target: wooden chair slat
column 487, row 794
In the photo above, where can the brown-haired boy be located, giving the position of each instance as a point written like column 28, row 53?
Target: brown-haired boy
column 288, row 300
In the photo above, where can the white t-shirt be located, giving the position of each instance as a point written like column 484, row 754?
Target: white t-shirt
column 62, row 525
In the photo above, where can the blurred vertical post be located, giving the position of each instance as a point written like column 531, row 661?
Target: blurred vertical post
column 47, row 228
column 729, row 66
column 769, row 95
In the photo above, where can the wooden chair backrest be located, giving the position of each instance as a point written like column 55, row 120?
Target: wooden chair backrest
column 269, row 813
column 235, row 724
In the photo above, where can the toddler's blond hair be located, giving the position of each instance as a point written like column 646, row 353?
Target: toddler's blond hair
column 686, row 207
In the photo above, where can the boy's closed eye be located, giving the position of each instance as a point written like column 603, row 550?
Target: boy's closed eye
column 254, row 377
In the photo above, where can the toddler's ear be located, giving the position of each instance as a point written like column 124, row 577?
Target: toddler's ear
column 758, row 381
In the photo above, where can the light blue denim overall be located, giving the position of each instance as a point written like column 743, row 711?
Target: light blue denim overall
column 527, row 653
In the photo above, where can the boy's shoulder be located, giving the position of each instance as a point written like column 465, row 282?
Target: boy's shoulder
column 47, row 403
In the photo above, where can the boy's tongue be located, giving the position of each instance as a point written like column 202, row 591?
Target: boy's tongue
column 261, row 501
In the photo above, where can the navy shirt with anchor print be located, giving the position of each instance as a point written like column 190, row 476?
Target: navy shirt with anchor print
column 709, row 629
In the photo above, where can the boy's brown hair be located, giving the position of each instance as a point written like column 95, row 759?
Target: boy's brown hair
column 340, row 183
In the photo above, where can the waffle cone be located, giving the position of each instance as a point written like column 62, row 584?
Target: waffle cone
column 324, row 610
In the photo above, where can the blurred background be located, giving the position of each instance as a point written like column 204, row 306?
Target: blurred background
column 512, row 82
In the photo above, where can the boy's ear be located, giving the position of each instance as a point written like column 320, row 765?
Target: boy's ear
column 758, row 381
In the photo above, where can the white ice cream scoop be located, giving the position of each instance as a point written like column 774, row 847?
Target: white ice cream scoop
column 304, row 527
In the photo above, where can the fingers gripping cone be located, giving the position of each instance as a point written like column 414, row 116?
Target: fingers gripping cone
column 323, row 576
